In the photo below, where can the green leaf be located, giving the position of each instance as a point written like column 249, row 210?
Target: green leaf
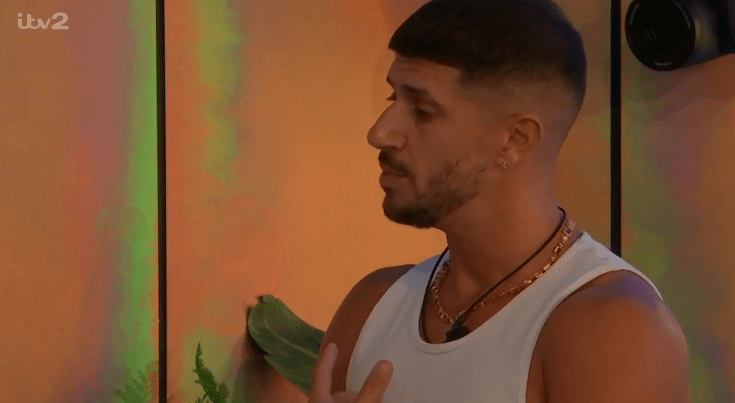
column 291, row 345
column 206, row 380
column 222, row 394
column 134, row 392
column 137, row 390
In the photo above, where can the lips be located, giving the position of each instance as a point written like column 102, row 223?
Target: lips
column 388, row 171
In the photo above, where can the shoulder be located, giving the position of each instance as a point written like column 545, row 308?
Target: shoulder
column 367, row 292
column 352, row 313
column 615, row 338
column 387, row 275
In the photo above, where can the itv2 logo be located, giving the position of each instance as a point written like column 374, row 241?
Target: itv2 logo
column 41, row 24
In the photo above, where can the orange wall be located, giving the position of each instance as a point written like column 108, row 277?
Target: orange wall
column 272, row 187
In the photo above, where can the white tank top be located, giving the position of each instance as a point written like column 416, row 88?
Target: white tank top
column 491, row 363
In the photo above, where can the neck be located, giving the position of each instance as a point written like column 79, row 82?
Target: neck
column 487, row 242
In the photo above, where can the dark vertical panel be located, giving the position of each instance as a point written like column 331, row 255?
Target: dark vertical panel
column 161, row 152
column 615, row 129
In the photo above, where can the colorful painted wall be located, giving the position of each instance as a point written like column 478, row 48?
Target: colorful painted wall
column 78, row 200
column 272, row 187
column 678, row 192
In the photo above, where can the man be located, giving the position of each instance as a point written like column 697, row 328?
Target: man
column 523, row 306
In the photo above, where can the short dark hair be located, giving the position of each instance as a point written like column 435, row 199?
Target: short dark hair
column 516, row 40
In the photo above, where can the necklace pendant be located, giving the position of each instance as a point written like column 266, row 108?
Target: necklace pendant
column 458, row 329
column 456, row 333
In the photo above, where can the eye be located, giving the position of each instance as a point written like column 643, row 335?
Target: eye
column 421, row 114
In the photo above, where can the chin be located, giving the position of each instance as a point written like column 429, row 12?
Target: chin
column 407, row 214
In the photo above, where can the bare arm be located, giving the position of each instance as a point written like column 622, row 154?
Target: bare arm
column 619, row 350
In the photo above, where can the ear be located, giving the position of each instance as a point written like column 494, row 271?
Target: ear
column 524, row 132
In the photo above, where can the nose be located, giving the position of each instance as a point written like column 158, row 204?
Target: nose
column 388, row 131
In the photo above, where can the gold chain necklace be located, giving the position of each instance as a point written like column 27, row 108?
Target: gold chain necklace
column 439, row 280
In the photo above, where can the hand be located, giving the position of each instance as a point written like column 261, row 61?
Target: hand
column 321, row 385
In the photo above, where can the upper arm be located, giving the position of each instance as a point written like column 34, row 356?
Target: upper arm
column 351, row 315
column 619, row 350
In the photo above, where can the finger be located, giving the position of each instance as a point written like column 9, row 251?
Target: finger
column 376, row 383
column 344, row 397
column 321, row 389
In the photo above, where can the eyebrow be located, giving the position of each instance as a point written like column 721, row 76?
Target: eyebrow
column 418, row 93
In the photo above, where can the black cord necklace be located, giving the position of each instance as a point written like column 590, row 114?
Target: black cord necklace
column 458, row 330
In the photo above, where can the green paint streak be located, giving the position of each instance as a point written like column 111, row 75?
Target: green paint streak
column 654, row 219
column 219, row 63
column 649, row 251
column 704, row 386
column 137, row 317
column 651, row 211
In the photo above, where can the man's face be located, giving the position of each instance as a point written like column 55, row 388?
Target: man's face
column 434, row 141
